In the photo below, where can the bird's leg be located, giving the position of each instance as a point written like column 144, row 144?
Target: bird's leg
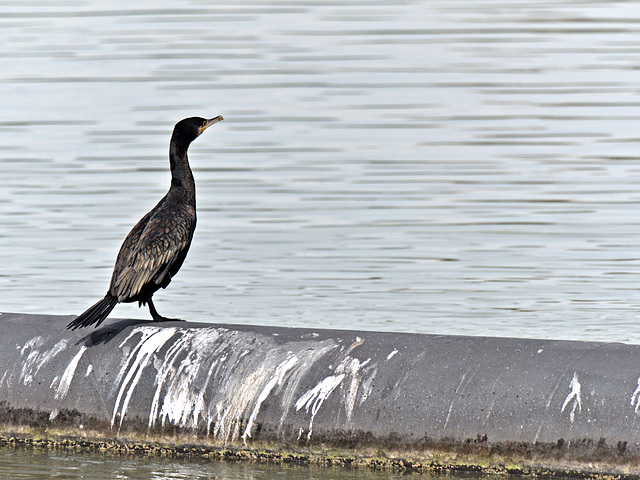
column 157, row 317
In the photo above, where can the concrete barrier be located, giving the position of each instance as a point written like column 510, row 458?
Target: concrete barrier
column 419, row 401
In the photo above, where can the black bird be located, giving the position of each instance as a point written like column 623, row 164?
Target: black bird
column 155, row 248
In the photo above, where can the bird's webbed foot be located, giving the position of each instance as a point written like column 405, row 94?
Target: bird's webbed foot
column 160, row 318
column 157, row 317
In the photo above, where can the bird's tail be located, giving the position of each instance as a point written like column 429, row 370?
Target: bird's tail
column 95, row 314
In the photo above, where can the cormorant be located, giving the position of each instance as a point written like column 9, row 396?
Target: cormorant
column 155, row 248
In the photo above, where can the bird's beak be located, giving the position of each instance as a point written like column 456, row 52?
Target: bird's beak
column 210, row 122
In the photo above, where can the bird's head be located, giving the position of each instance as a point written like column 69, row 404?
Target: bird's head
column 189, row 129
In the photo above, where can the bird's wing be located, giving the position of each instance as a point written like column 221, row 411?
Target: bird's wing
column 128, row 248
column 151, row 252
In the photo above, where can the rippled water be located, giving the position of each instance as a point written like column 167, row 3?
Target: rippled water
column 36, row 465
column 428, row 166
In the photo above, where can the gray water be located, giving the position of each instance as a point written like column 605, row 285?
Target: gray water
column 426, row 166
column 43, row 465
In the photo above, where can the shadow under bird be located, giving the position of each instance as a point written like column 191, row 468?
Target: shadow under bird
column 155, row 248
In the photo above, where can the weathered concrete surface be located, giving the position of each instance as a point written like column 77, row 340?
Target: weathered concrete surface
column 533, row 404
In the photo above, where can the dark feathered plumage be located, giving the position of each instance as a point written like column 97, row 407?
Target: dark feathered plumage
column 155, row 248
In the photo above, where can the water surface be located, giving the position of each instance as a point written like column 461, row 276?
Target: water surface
column 26, row 464
column 425, row 166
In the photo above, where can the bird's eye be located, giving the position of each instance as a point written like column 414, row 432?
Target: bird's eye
column 204, row 124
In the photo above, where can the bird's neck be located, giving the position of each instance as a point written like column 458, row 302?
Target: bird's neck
column 181, row 175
